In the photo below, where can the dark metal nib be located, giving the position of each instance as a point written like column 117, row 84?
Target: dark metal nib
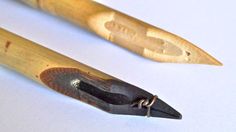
column 122, row 98
column 150, row 107
column 163, row 110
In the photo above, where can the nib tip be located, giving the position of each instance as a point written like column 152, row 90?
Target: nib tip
column 161, row 109
column 213, row 61
column 179, row 116
column 218, row 63
column 205, row 58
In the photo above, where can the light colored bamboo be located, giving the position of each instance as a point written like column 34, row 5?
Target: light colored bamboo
column 128, row 32
column 31, row 59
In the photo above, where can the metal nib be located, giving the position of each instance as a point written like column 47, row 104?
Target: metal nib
column 163, row 110
column 150, row 107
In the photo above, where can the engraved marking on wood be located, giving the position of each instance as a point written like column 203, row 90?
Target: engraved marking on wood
column 96, row 23
column 115, row 27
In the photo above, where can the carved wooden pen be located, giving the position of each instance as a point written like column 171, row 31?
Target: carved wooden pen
column 126, row 31
column 79, row 81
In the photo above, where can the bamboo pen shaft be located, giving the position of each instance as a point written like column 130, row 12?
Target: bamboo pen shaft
column 31, row 59
column 126, row 31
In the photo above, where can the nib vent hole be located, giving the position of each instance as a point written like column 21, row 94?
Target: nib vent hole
column 188, row 53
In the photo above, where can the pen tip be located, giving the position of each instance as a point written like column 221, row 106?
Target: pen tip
column 205, row 58
column 164, row 46
column 161, row 109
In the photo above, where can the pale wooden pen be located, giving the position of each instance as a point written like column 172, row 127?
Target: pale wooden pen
column 126, row 31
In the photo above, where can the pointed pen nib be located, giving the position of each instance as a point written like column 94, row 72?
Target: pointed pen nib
column 163, row 110
column 164, row 46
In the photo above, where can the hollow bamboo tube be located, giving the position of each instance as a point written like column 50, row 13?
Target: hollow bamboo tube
column 126, row 31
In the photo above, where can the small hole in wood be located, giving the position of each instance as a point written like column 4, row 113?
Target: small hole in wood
column 188, row 53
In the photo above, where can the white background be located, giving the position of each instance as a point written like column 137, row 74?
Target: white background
column 205, row 95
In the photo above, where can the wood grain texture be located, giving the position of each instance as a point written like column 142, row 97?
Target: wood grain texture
column 32, row 59
column 128, row 32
